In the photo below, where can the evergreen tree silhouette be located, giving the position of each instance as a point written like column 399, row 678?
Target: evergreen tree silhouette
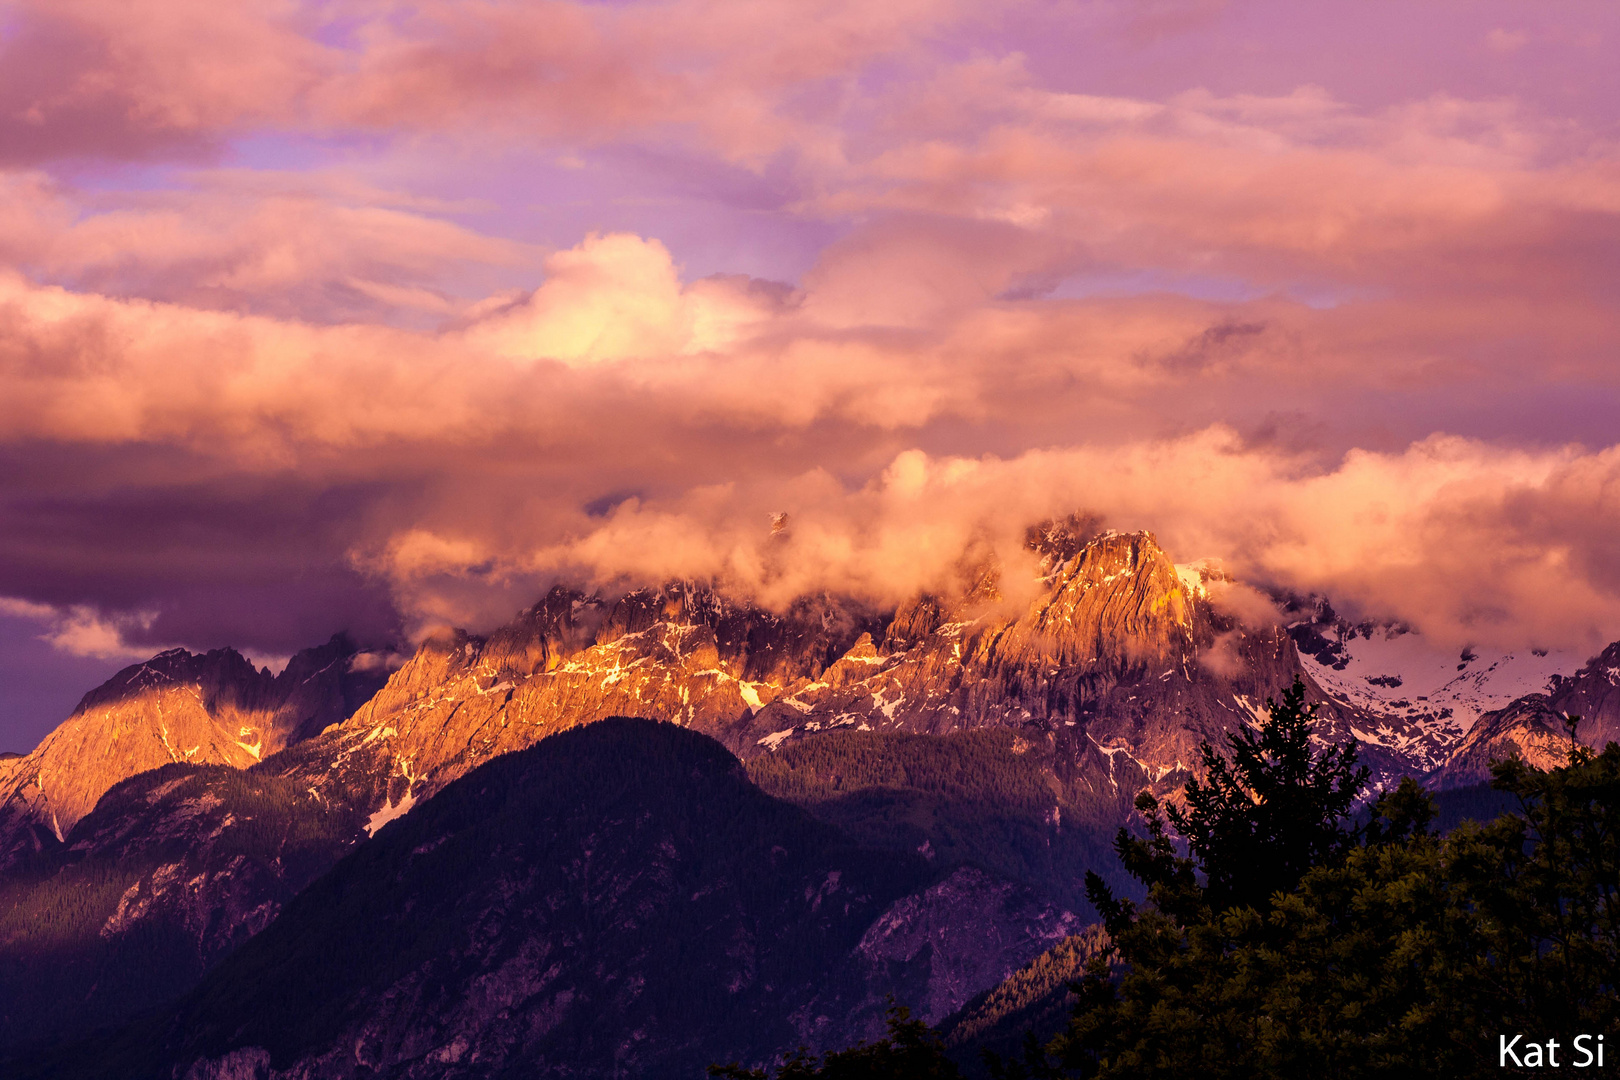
column 1254, row 825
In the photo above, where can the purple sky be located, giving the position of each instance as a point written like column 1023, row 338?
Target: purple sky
column 377, row 316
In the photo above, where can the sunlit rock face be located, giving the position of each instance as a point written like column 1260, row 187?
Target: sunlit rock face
column 1529, row 728
column 213, row 708
column 1121, row 664
column 1593, row 694
column 1119, row 656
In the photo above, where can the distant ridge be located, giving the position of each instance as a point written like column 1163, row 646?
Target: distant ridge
column 211, row 708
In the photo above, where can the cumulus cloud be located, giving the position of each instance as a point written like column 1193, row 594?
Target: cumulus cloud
column 295, row 337
column 616, row 297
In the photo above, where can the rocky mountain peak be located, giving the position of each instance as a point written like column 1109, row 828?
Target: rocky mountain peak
column 212, row 708
column 559, row 625
column 1529, row 728
column 1117, row 603
column 1593, row 694
column 1057, row 540
column 223, row 676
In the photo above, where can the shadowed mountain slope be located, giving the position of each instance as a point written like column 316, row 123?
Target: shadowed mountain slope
column 987, row 798
column 1034, row 999
column 171, row 871
column 617, row 901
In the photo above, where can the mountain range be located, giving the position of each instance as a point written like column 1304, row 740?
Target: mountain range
column 209, row 870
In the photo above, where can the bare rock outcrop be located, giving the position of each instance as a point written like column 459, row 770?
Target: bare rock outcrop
column 1529, row 728
column 1122, row 665
column 210, row 708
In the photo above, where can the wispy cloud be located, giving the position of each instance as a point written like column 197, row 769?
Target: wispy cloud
column 81, row 630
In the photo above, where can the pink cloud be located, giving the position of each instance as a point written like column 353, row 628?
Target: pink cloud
column 82, row 631
column 1269, row 190
column 725, row 405
column 1236, row 306
column 618, row 297
column 94, row 78
column 589, row 72
column 97, row 78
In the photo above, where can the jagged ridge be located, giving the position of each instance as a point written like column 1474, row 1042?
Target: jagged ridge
column 212, row 708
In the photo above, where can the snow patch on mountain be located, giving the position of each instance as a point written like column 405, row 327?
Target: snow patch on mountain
column 390, row 811
column 775, row 739
column 1394, row 671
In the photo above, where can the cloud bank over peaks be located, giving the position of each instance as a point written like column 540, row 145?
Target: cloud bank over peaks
column 1466, row 542
column 620, row 425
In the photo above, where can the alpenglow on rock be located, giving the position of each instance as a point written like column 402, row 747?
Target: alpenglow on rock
column 213, row 708
column 1121, row 665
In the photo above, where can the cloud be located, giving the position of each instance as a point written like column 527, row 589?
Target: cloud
column 80, row 630
column 615, row 297
column 1248, row 605
column 296, row 336
column 1435, row 535
column 1451, row 535
column 1222, row 657
column 313, row 247
column 481, row 449
column 97, row 78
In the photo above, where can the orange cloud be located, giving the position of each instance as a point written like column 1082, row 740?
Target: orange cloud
column 1238, row 317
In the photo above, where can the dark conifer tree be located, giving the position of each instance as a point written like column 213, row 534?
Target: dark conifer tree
column 1254, row 825
column 1272, row 811
column 1400, row 954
